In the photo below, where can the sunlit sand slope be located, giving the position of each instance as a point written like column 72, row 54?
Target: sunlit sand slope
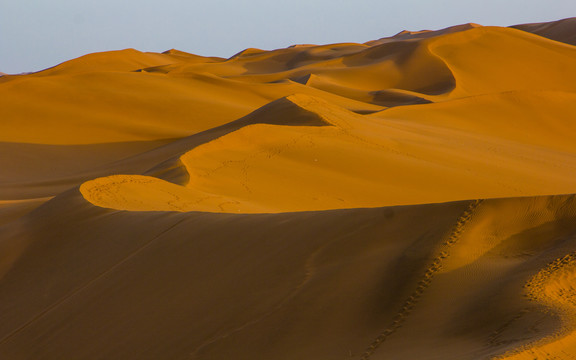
column 490, row 146
column 411, row 197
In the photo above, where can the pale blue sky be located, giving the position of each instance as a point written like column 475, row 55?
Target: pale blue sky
column 36, row 34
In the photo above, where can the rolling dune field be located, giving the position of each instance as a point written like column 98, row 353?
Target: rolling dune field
column 411, row 197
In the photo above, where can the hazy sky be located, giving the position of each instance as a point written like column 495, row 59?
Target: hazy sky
column 36, row 34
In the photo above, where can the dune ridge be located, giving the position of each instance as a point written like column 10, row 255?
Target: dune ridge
column 243, row 170
column 411, row 197
column 562, row 30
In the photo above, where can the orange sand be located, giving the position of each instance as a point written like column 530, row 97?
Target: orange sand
column 412, row 197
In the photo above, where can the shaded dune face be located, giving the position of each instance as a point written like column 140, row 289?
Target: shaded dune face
column 562, row 31
column 406, row 198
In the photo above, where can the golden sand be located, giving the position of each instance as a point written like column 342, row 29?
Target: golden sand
column 411, row 197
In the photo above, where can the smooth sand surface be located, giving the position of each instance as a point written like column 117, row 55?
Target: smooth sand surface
column 412, row 197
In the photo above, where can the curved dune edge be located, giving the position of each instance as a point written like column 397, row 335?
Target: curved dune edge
column 147, row 193
column 302, row 153
column 553, row 287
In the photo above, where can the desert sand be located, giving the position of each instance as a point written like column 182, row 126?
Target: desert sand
column 411, row 197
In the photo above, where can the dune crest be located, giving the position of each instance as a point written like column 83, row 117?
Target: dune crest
column 278, row 162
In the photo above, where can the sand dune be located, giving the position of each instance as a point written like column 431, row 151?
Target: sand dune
column 562, row 30
column 377, row 161
column 422, row 34
column 412, row 197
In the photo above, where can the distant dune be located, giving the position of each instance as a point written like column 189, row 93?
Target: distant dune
column 562, row 30
column 412, row 197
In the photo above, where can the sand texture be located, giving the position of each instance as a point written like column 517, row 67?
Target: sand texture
column 412, row 197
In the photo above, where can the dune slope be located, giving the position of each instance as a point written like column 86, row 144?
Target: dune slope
column 412, row 197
